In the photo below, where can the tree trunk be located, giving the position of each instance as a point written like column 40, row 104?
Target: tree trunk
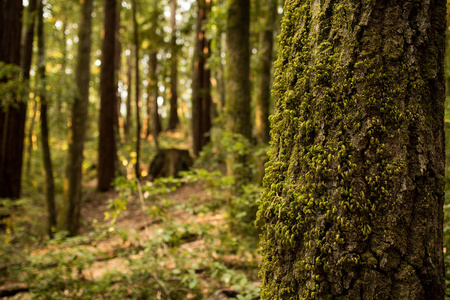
column 352, row 206
column 265, row 65
column 153, row 98
column 69, row 216
column 27, row 56
column 12, row 117
column 264, row 83
column 27, row 50
column 173, row 116
column 201, row 84
column 238, row 83
column 107, row 143
column 137, row 93
column 128, row 103
column 49, row 181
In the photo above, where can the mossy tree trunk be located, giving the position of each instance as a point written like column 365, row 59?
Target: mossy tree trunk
column 42, row 87
column 237, row 85
column 173, row 114
column 353, row 196
column 201, row 84
column 69, row 214
column 12, row 108
column 108, row 87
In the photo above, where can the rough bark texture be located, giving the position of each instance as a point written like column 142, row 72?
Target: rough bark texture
column 12, row 118
column 49, row 180
column 173, row 116
column 107, row 143
column 137, row 93
column 237, row 107
column 201, row 84
column 69, row 215
column 352, row 204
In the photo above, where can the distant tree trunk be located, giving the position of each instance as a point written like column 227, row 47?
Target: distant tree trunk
column 12, row 117
column 137, row 93
column 201, row 84
column 264, row 82
column 173, row 116
column 49, row 181
column 117, row 65
column 107, row 144
column 238, row 83
column 352, row 206
column 69, row 216
column 265, row 66
column 128, row 101
column 63, row 61
column 27, row 50
column 27, row 55
column 155, row 120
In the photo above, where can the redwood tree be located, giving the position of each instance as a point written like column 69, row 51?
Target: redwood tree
column 173, row 115
column 108, row 87
column 69, row 215
column 237, row 106
column 201, row 85
column 353, row 196
column 12, row 107
column 48, row 167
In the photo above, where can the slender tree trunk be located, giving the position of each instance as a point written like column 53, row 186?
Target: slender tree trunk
column 201, row 84
column 117, row 67
column 265, row 66
column 137, row 93
column 128, row 101
column 238, row 83
column 352, row 206
column 107, row 143
column 29, row 150
column 264, row 82
column 173, row 116
column 69, row 216
column 27, row 56
column 12, row 117
column 49, row 181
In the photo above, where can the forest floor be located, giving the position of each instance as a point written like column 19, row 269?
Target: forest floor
column 139, row 245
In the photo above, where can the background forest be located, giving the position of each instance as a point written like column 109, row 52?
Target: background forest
column 146, row 132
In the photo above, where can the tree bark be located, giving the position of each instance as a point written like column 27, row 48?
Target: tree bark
column 12, row 117
column 173, row 115
column 137, row 93
column 352, row 206
column 108, row 86
column 69, row 215
column 237, row 107
column 49, row 180
column 201, row 84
